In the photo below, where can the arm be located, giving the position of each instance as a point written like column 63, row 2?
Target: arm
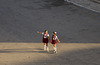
column 58, row 40
column 48, row 37
column 39, row 32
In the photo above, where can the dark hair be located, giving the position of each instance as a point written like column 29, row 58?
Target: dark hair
column 45, row 30
column 54, row 32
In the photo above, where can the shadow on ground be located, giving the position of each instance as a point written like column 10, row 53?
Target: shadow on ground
column 23, row 50
column 78, row 57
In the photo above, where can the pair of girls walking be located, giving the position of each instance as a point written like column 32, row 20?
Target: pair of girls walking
column 46, row 40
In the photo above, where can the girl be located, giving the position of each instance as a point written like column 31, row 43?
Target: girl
column 45, row 39
column 54, row 41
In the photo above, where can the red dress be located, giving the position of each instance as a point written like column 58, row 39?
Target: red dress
column 45, row 38
column 54, row 39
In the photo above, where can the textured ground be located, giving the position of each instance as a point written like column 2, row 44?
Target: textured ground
column 33, row 54
column 78, row 30
column 21, row 19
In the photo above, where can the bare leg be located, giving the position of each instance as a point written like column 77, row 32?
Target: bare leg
column 55, row 48
column 54, row 45
column 47, row 47
column 44, row 46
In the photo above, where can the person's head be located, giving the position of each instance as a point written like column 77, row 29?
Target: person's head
column 54, row 33
column 45, row 31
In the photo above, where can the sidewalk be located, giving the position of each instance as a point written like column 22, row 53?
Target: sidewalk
column 93, row 5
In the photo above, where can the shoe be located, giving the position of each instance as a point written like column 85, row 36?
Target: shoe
column 47, row 50
column 55, row 51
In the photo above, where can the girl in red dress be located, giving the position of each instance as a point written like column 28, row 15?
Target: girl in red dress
column 45, row 39
column 54, row 41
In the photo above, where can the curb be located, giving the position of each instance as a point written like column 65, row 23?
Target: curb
column 82, row 6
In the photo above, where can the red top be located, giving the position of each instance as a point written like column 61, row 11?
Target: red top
column 45, row 35
column 54, row 39
column 45, row 38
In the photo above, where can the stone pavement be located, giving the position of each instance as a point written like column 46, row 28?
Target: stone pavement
column 20, row 20
column 93, row 5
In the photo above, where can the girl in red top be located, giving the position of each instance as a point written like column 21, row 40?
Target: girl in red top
column 54, row 41
column 45, row 39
